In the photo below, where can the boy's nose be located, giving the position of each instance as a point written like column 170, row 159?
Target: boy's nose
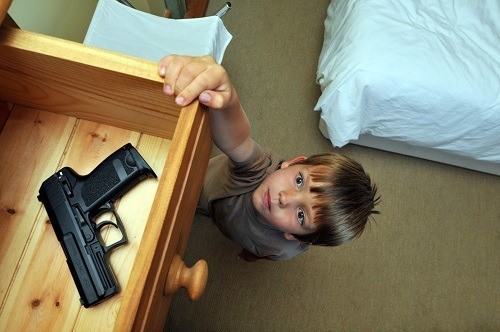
column 286, row 198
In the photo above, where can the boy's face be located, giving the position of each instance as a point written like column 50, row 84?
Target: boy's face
column 284, row 200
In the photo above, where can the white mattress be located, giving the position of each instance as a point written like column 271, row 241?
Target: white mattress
column 426, row 73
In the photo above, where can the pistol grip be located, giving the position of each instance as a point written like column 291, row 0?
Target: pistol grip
column 112, row 178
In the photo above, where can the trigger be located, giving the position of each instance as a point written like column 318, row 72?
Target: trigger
column 106, row 223
column 107, row 207
column 129, row 160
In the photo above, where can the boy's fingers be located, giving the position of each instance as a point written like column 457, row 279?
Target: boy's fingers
column 210, row 81
column 188, row 77
column 195, row 88
column 172, row 72
column 192, row 73
column 171, row 67
column 163, row 64
column 214, row 99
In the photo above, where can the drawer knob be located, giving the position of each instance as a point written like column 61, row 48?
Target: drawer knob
column 193, row 279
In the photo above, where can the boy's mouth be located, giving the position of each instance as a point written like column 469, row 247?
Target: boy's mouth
column 267, row 200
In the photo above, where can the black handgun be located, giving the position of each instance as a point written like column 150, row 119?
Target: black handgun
column 74, row 202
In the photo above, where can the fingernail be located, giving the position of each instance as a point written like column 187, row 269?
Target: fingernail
column 179, row 100
column 162, row 70
column 205, row 97
column 167, row 89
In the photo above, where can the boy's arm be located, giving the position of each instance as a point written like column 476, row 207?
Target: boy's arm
column 189, row 78
column 248, row 256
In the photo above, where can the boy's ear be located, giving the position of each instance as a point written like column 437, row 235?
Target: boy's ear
column 285, row 164
column 290, row 237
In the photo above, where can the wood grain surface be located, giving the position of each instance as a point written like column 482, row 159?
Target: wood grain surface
column 84, row 82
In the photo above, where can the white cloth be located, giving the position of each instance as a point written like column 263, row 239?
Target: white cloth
column 424, row 72
column 119, row 28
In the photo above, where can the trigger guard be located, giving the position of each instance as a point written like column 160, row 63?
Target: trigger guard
column 106, row 223
column 107, row 207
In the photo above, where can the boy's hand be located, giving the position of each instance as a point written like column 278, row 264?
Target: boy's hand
column 189, row 78
column 201, row 77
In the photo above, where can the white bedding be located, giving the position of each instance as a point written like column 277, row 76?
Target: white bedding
column 122, row 29
column 422, row 72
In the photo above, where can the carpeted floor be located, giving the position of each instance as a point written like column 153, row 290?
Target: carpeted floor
column 429, row 262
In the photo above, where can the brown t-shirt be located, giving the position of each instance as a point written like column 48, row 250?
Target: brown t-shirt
column 227, row 197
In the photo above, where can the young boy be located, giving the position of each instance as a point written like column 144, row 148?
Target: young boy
column 273, row 208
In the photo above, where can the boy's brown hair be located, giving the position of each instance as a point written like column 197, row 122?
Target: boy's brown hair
column 344, row 199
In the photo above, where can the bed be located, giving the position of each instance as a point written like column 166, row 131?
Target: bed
column 421, row 78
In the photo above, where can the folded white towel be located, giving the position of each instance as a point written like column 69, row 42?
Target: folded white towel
column 119, row 28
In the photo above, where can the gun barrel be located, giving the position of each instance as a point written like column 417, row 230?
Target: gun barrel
column 93, row 279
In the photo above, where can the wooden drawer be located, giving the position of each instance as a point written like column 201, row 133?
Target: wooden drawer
column 67, row 104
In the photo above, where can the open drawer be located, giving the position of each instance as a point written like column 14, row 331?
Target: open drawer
column 67, row 104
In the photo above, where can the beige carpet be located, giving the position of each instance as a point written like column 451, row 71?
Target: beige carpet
column 429, row 262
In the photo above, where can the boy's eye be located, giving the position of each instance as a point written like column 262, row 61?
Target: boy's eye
column 301, row 216
column 299, row 181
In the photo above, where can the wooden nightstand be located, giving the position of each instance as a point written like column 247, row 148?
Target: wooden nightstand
column 69, row 104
